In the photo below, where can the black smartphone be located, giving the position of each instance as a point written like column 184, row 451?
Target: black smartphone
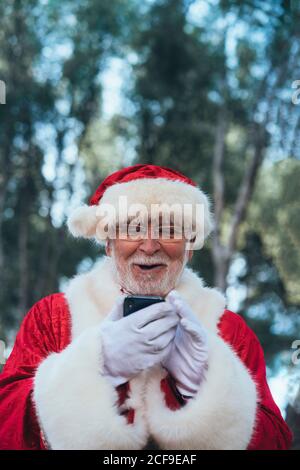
column 133, row 303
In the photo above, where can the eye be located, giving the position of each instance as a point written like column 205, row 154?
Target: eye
column 137, row 228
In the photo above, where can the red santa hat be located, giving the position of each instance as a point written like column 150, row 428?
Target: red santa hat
column 140, row 184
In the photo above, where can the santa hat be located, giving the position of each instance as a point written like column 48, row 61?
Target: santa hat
column 140, row 184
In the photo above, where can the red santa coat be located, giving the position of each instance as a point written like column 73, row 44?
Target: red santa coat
column 53, row 396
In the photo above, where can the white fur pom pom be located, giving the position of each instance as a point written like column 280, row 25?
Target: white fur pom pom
column 82, row 222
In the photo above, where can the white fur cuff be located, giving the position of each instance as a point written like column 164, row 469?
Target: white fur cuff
column 76, row 406
column 221, row 416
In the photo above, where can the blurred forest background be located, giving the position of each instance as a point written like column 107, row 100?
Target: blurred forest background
column 206, row 87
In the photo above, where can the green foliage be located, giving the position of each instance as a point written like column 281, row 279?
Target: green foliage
column 235, row 64
column 275, row 214
column 171, row 89
column 51, row 57
column 101, row 151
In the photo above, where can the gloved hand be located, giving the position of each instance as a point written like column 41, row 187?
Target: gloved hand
column 187, row 361
column 136, row 342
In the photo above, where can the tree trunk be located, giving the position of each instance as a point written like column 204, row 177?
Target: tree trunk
column 23, row 259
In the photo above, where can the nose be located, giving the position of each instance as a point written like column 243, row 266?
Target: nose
column 149, row 246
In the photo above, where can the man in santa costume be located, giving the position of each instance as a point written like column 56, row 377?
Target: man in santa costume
column 185, row 373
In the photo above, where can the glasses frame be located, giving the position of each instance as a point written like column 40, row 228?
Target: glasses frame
column 145, row 236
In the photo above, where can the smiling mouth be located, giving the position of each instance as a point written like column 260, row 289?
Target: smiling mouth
column 149, row 267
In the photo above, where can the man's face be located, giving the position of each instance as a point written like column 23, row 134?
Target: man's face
column 148, row 266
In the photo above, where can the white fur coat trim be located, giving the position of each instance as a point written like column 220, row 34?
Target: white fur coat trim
column 77, row 407
column 221, row 416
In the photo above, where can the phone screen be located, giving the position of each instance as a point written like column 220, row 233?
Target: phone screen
column 133, row 303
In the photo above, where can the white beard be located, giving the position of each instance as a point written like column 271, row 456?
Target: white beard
column 148, row 285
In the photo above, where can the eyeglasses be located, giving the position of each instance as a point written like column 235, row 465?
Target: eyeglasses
column 163, row 233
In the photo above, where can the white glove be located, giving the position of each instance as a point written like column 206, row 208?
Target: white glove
column 187, row 360
column 136, row 342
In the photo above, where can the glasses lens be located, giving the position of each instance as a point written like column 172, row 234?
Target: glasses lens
column 163, row 233
column 137, row 231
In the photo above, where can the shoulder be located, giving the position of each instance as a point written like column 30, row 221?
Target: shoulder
column 242, row 339
column 48, row 307
column 49, row 315
column 44, row 329
column 234, row 330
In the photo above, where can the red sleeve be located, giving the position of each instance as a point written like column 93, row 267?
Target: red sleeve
column 123, row 393
column 36, row 338
column 173, row 399
column 270, row 432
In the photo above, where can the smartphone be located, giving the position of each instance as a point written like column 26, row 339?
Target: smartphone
column 133, row 303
